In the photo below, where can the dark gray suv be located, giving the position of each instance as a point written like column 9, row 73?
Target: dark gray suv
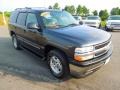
column 58, row 38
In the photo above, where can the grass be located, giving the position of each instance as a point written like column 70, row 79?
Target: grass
column 1, row 20
column 7, row 20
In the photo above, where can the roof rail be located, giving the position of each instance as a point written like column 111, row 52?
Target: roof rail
column 26, row 8
column 22, row 8
column 38, row 8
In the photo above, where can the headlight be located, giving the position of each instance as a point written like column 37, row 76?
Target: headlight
column 85, row 53
column 97, row 23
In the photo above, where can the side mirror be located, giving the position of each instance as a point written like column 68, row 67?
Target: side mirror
column 32, row 26
column 81, row 22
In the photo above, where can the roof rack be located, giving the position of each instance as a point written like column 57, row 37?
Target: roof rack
column 28, row 8
column 38, row 8
column 22, row 8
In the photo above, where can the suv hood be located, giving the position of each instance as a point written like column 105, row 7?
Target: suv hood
column 82, row 35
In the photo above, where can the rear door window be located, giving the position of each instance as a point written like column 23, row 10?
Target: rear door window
column 21, row 19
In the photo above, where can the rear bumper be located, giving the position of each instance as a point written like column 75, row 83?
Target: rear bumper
column 82, row 69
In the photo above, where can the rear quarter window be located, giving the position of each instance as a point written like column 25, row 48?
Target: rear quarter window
column 13, row 17
column 21, row 19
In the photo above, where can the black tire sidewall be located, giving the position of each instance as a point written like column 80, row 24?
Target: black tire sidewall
column 61, row 56
column 18, row 44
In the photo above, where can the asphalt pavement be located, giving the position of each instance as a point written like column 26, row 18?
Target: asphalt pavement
column 28, row 66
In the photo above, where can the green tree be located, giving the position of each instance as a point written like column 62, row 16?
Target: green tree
column 0, row 12
column 85, row 11
column 79, row 10
column 103, row 14
column 115, row 11
column 56, row 6
column 70, row 9
column 50, row 7
column 7, row 14
column 95, row 13
column 67, row 8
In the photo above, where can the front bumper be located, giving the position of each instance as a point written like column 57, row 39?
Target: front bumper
column 114, row 27
column 82, row 69
column 93, row 25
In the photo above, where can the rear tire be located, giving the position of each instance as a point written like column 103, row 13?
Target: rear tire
column 16, row 43
column 58, row 64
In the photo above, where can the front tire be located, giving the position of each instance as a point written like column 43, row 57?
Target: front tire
column 16, row 43
column 58, row 64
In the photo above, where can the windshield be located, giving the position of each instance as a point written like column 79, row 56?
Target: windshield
column 92, row 18
column 114, row 18
column 57, row 19
column 77, row 17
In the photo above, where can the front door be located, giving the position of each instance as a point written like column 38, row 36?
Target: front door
column 30, row 34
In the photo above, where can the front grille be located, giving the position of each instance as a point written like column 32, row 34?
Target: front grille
column 101, row 45
column 90, row 23
column 100, row 53
column 101, row 49
column 115, row 24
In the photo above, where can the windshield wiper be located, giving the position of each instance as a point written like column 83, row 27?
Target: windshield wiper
column 72, row 24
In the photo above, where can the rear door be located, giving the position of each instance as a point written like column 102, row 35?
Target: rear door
column 20, row 25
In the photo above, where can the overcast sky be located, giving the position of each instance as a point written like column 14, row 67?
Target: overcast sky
column 91, row 4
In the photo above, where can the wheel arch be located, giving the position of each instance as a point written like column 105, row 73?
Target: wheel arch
column 12, row 33
column 48, row 48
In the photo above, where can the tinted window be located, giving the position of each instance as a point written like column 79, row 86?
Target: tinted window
column 114, row 18
column 21, row 18
column 13, row 17
column 31, row 18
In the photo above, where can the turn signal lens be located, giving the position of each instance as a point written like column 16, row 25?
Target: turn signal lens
column 83, row 58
